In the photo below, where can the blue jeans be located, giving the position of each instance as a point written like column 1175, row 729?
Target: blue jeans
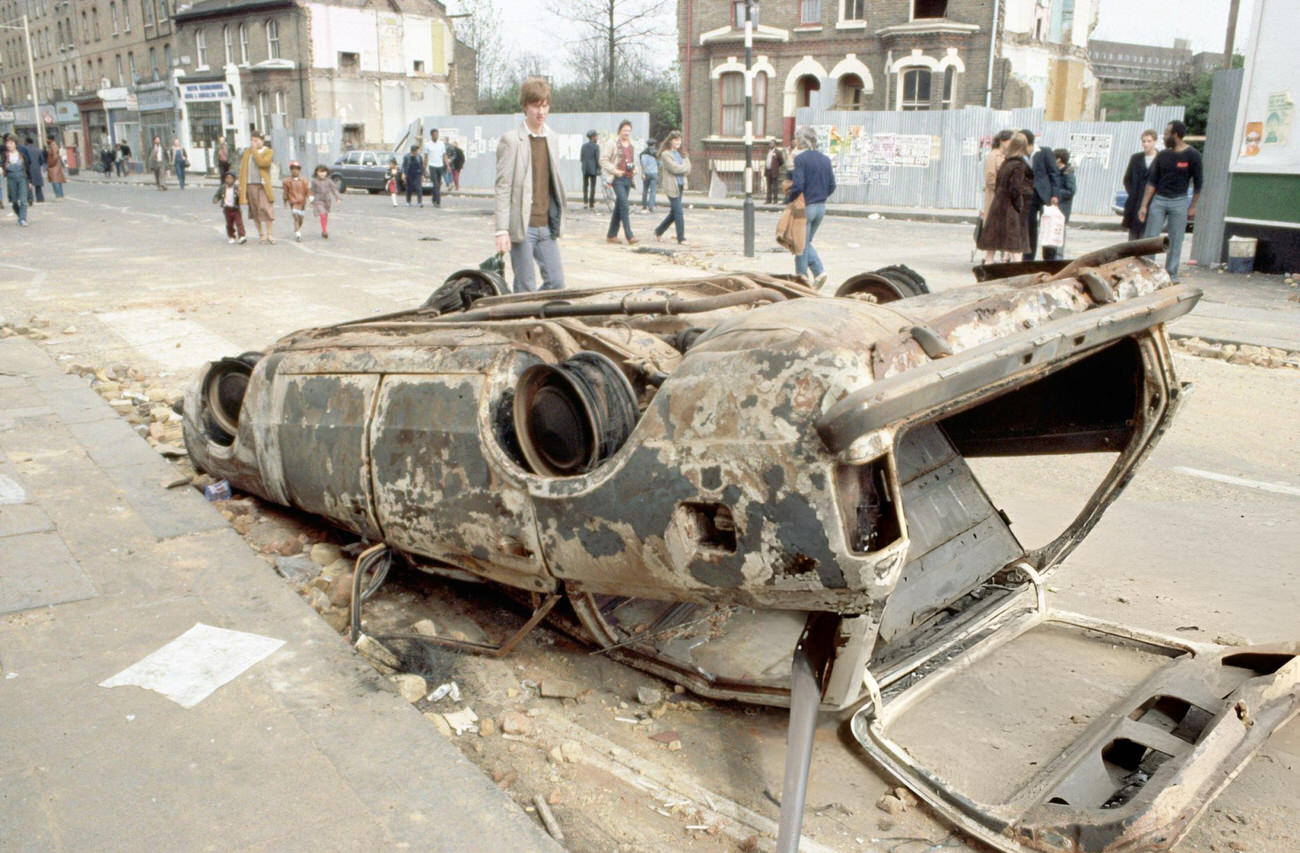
column 540, row 245
column 622, row 186
column 17, row 188
column 1173, row 211
column 810, row 260
column 58, row 190
column 648, row 192
column 674, row 217
column 180, row 174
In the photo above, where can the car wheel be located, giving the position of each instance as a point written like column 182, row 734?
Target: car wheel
column 339, row 184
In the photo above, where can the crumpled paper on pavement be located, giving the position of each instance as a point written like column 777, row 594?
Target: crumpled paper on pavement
column 190, row 668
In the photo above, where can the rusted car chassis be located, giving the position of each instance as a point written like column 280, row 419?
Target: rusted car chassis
column 763, row 494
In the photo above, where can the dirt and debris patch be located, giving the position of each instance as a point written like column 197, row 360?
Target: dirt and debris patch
column 1238, row 353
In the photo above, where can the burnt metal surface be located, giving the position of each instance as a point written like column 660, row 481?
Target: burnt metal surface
column 1140, row 774
column 719, row 458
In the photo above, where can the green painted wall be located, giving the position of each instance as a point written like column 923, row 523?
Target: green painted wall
column 1256, row 196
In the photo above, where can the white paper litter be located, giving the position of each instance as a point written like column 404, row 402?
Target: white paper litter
column 11, row 492
column 461, row 721
column 188, row 669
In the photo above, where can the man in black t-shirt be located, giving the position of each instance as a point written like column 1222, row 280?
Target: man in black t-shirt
column 1165, row 200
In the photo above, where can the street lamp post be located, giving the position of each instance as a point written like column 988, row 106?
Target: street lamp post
column 749, row 128
column 31, row 69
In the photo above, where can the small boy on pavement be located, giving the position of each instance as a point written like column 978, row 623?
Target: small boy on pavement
column 296, row 192
column 227, row 196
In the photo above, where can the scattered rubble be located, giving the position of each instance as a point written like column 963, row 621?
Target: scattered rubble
column 1238, row 354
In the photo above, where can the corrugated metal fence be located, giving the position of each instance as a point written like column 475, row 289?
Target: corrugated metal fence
column 478, row 135
column 932, row 159
column 311, row 141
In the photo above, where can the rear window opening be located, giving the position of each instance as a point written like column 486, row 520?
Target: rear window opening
column 962, row 481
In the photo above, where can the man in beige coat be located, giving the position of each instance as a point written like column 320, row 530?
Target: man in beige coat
column 530, row 193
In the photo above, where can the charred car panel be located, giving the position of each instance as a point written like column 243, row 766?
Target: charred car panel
column 739, row 457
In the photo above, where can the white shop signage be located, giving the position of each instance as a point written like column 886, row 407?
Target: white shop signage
column 215, row 91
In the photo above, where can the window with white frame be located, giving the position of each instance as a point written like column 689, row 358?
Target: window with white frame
column 732, row 90
column 262, row 111
column 146, row 10
column 277, row 101
column 112, row 13
column 126, row 16
column 130, row 64
column 810, row 12
column 201, row 47
column 273, row 39
column 243, row 44
column 229, row 44
column 914, row 89
column 853, row 11
column 738, row 14
column 949, row 86
column 121, row 78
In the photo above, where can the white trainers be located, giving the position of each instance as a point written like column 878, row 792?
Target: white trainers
column 819, row 282
column 297, row 235
column 243, row 240
column 231, row 241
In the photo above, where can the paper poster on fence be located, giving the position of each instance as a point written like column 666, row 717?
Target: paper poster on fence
column 912, row 150
column 882, row 148
column 1091, row 146
column 823, row 132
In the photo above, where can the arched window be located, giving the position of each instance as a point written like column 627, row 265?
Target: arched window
column 850, row 93
column 273, row 39
column 914, row 89
column 230, row 45
column 243, row 44
column 805, row 86
column 949, row 86
column 112, row 11
column 201, row 47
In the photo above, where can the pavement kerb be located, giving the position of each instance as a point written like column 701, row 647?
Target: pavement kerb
column 326, row 688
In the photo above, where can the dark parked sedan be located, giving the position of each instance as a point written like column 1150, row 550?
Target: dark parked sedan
column 366, row 170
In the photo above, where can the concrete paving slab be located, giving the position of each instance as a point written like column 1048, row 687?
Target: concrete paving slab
column 167, row 512
column 310, row 748
column 112, row 443
column 17, row 519
column 37, row 570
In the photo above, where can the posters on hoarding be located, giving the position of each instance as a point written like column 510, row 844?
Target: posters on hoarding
column 1264, row 138
column 912, row 150
column 1091, row 146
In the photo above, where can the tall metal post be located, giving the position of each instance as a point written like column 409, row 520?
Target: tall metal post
column 1232, row 33
column 31, row 69
column 749, row 128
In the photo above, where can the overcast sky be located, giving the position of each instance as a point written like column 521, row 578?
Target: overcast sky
column 1159, row 22
column 529, row 27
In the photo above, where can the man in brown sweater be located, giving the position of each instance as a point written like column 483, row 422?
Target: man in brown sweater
column 529, row 196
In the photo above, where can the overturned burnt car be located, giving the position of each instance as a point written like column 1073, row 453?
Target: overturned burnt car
column 767, row 495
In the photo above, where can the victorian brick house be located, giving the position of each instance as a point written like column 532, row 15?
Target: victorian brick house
column 374, row 66
column 875, row 55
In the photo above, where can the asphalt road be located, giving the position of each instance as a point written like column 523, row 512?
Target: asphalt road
column 1204, row 542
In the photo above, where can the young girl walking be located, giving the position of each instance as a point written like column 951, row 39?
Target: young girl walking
column 324, row 194
column 393, row 179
